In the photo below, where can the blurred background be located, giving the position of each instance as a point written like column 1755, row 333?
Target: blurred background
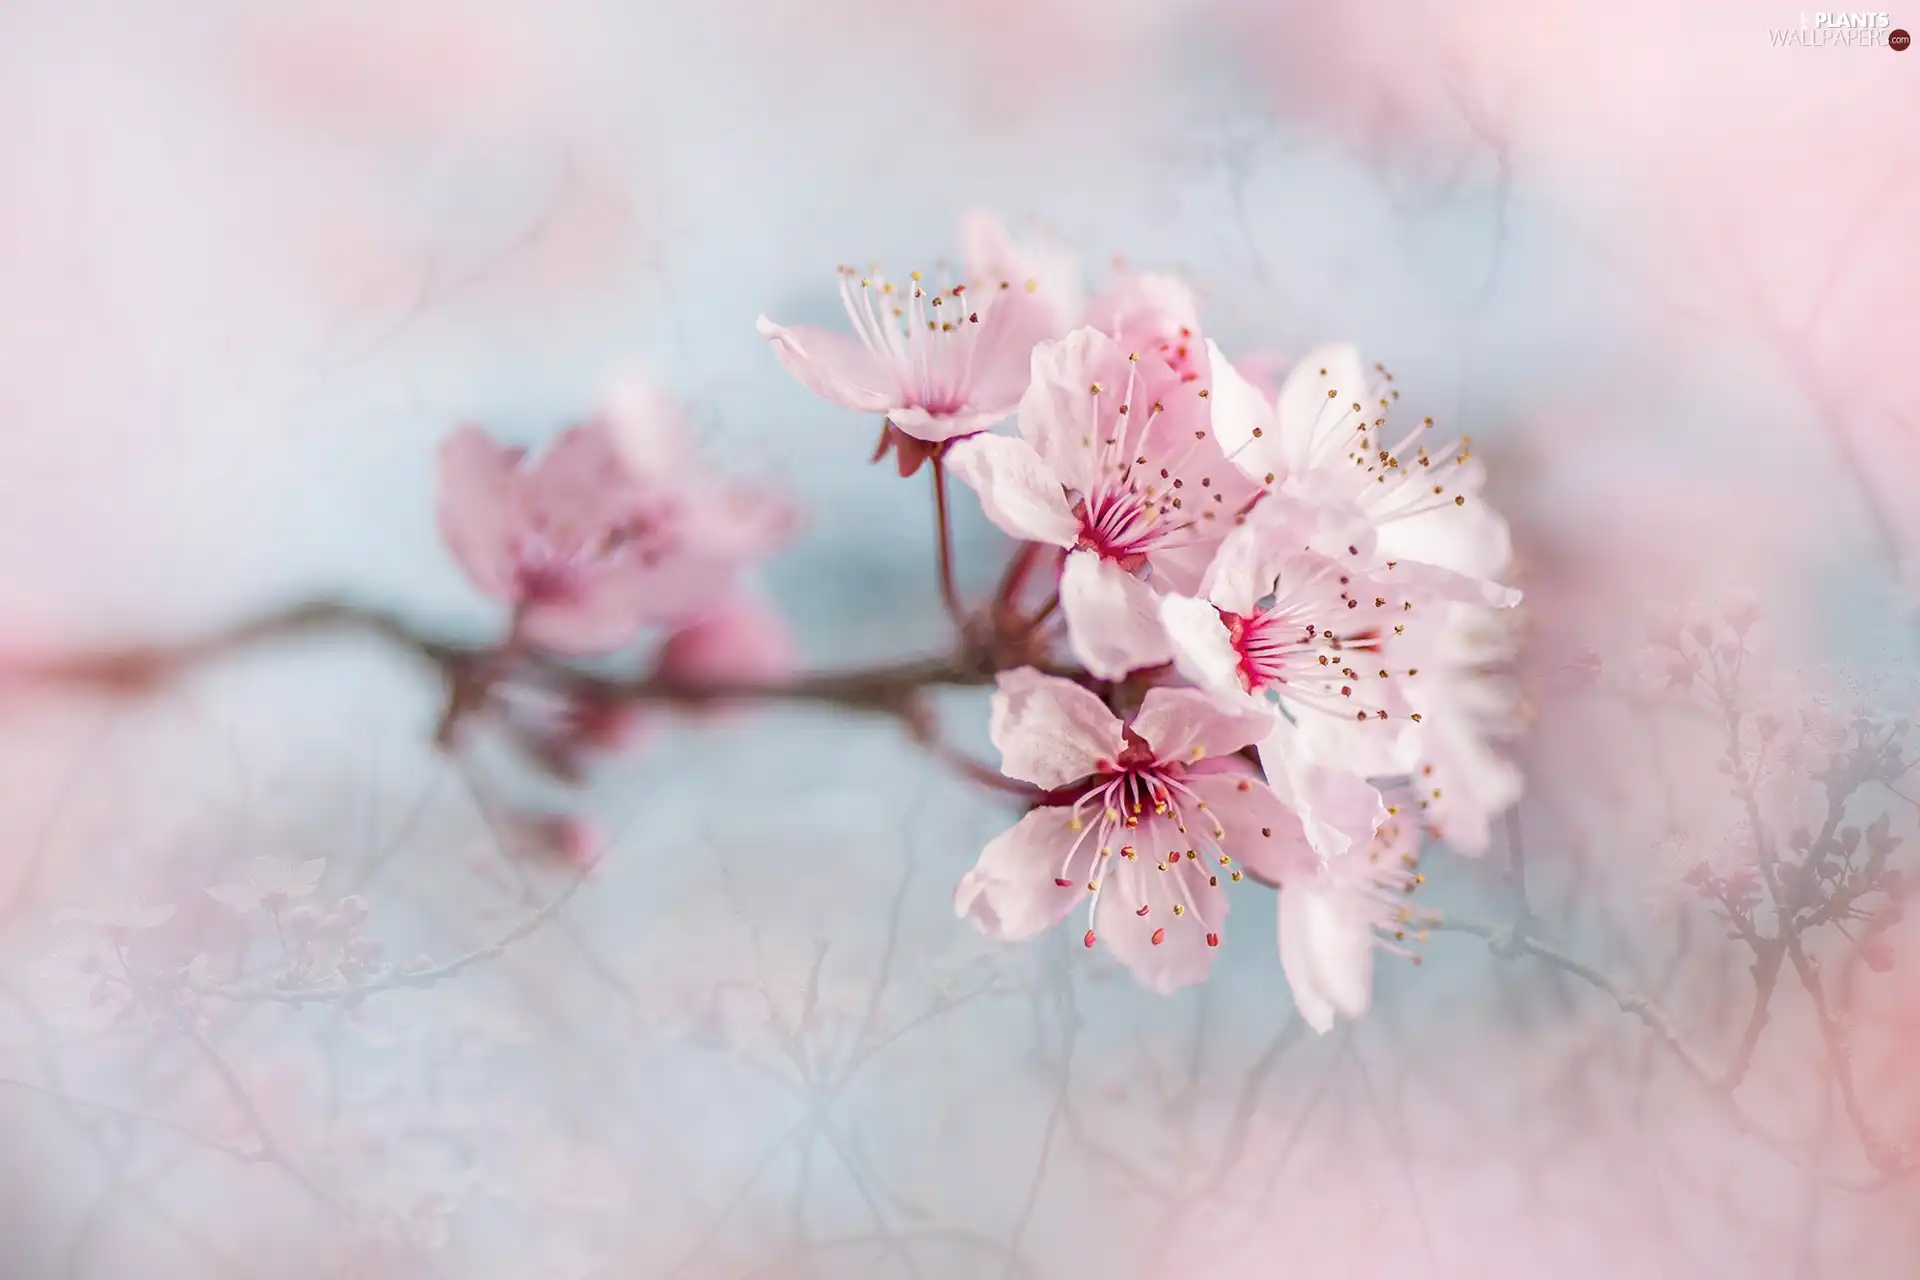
column 255, row 261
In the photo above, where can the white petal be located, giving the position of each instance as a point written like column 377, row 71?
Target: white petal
column 1113, row 618
column 1050, row 731
column 1017, row 490
column 1244, row 424
column 1307, row 412
column 832, row 365
column 1202, row 646
column 1326, row 952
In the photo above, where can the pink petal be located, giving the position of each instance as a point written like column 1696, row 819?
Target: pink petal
column 1113, row 618
column 937, row 428
column 1017, row 491
column 1010, row 893
column 1326, row 951
column 1262, row 832
column 1339, row 810
column 607, row 614
column 1429, row 581
column 1470, row 540
column 1182, row 957
column 1050, row 731
column 1304, row 400
column 833, row 365
column 1183, row 725
column 1476, row 782
column 478, row 509
column 991, row 256
column 744, row 639
column 582, row 476
column 1249, row 561
column 1060, row 402
column 645, row 430
column 1144, row 308
column 1203, row 649
column 1244, row 422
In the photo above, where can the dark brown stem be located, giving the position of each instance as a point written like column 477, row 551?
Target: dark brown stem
column 889, row 688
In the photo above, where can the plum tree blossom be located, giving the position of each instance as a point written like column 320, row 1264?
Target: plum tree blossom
column 1130, row 485
column 940, row 361
column 1141, row 820
column 589, row 548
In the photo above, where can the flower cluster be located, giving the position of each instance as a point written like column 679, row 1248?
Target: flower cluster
column 615, row 533
column 1301, row 577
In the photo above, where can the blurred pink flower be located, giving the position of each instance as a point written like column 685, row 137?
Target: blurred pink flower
column 587, row 544
column 271, row 884
column 743, row 639
column 940, row 361
column 1157, row 316
column 1125, row 481
column 1120, row 796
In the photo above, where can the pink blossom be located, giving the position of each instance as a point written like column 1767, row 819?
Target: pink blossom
column 1277, row 626
column 1130, row 483
column 1453, row 670
column 1349, row 899
column 1156, row 315
column 1376, row 485
column 742, row 639
column 1142, row 819
column 939, row 360
column 589, row 545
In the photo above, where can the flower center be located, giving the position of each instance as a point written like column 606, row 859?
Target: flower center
column 1139, row 807
column 556, row 559
column 934, row 339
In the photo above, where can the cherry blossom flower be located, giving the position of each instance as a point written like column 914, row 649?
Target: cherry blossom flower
column 1143, row 820
column 1349, row 900
column 1278, row 627
column 1453, row 668
column 939, row 360
column 1157, row 316
column 270, row 885
column 1386, row 491
column 605, row 534
column 1131, row 485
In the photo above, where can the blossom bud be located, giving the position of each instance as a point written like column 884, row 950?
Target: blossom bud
column 1878, row 955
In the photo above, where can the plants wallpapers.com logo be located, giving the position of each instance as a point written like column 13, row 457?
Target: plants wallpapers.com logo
column 1842, row 30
